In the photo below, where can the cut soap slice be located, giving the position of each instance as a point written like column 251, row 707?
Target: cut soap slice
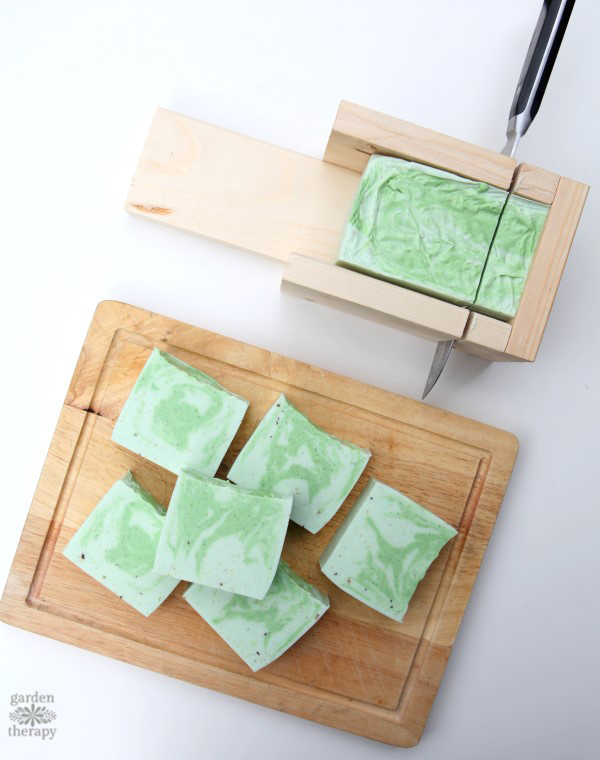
column 383, row 549
column 223, row 536
column 260, row 631
column 289, row 456
column 421, row 227
column 176, row 416
column 512, row 251
column 117, row 542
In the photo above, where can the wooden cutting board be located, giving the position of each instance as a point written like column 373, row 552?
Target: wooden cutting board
column 355, row 670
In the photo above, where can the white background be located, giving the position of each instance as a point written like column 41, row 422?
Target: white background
column 79, row 84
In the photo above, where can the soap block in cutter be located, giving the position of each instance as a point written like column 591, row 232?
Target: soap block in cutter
column 511, row 254
column 421, row 227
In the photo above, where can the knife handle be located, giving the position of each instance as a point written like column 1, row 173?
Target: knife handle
column 540, row 58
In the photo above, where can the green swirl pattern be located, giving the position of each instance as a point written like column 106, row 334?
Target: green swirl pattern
column 384, row 548
column 177, row 416
column 222, row 536
column 117, row 543
column 260, row 631
column 421, row 228
column 512, row 251
column 289, row 456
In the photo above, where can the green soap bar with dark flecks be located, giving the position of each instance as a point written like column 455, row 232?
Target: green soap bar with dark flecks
column 117, row 542
column 289, row 456
column 512, row 251
column 223, row 536
column 422, row 228
column 383, row 549
column 260, row 631
column 177, row 416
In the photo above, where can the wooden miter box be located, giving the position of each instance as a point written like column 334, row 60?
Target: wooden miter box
column 291, row 207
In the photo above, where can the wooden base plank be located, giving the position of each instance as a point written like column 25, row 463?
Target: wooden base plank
column 237, row 190
column 355, row 670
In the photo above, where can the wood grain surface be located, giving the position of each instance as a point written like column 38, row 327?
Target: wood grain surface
column 546, row 270
column 534, row 183
column 262, row 198
column 485, row 337
column 244, row 192
column 358, row 132
column 356, row 669
column 373, row 299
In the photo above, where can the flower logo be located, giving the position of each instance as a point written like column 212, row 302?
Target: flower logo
column 32, row 716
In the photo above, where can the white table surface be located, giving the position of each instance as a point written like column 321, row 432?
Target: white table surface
column 79, row 84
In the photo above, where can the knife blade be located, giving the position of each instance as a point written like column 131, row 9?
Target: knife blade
column 441, row 356
column 539, row 61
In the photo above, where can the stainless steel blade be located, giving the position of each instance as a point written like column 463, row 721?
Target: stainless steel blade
column 539, row 61
column 442, row 352
column 512, row 142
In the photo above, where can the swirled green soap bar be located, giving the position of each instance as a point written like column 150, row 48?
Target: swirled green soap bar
column 289, row 456
column 422, row 228
column 176, row 416
column 117, row 542
column 383, row 548
column 511, row 254
column 221, row 535
column 260, row 631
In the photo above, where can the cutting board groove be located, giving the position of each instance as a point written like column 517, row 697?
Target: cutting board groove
column 356, row 670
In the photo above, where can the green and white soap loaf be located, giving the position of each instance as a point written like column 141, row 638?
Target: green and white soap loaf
column 117, row 542
column 220, row 535
column 260, row 631
column 177, row 416
column 510, row 257
column 383, row 549
column 422, row 228
column 289, row 456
